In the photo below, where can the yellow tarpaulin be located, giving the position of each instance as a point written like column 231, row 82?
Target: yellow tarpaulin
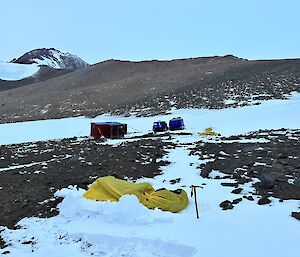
column 208, row 132
column 111, row 189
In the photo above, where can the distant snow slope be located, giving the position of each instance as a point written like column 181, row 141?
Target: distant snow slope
column 14, row 71
column 52, row 58
column 273, row 114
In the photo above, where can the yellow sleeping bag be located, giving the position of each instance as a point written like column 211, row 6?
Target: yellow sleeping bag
column 111, row 189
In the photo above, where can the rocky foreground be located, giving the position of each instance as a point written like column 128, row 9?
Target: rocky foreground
column 30, row 173
column 271, row 165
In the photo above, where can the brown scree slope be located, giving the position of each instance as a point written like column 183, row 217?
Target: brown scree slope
column 150, row 87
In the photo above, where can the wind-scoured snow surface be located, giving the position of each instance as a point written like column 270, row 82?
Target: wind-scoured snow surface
column 15, row 71
column 89, row 228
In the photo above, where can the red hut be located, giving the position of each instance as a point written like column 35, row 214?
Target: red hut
column 108, row 129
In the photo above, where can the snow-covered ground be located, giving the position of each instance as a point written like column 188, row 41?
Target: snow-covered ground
column 89, row 228
column 273, row 114
column 15, row 71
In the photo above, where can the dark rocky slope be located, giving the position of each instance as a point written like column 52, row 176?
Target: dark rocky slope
column 152, row 87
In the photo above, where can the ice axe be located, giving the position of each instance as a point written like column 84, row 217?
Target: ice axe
column 194, row 192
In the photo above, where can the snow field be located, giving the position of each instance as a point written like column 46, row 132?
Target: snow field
column 15, row 71
column 273, row 114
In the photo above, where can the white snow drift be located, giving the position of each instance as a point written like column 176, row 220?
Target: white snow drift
column 15, row 71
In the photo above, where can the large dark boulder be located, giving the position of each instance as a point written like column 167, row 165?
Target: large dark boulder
column 264, row 200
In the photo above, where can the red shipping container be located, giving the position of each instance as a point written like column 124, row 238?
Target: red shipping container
column 108, row 130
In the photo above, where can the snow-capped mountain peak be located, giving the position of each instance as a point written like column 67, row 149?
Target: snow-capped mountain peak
column 53, row 58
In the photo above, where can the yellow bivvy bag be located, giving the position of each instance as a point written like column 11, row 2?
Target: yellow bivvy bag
column 111, row 189
column 208, row 132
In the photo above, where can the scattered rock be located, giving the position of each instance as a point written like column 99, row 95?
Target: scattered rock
column 225, row 184
column 236, row 176
column 111, row 155
column 226, row 205
column 24, row 205
column 282, row 156
column 74, row 158
column 154, row 159
column 159, row 155
column 33, row 188
column 264, row 200
column 267, row 181
column 174, row 181
column 249, row 198
column 2, row 243
column 297, row 182
column 296, row 215
column 237, row 191
column 28, row 242
column 238, row 200
column 205, row 173
column 276, row 163
column 284, row 162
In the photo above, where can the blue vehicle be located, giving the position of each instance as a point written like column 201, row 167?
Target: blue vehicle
column 160, row 126
column 176, row 124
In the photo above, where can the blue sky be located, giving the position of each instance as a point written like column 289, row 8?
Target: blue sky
column 97, row 30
